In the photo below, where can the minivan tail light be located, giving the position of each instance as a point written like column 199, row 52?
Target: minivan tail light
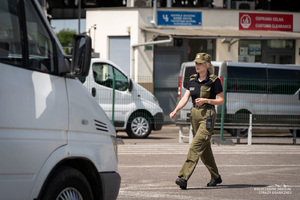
column 179, row 87
column 221, row 79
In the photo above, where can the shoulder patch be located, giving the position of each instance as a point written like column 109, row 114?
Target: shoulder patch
column 213, row 77
column 192, row 77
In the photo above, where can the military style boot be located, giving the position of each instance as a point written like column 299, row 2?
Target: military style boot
column 214, row 182
column 181, row 182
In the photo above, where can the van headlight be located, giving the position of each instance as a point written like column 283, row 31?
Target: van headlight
column 115, row 144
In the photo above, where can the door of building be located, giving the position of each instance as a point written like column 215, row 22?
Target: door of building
column 280, row 58
column 278, row 51
column 119, row 52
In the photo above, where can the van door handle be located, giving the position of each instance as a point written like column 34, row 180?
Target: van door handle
column 93, row 92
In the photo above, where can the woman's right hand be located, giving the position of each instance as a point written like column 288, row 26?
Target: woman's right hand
column 172, row 114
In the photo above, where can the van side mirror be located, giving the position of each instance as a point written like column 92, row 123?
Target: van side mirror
column 130, row 85
column 81, row 57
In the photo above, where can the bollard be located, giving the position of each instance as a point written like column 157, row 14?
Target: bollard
column 223, row 108
column 191, row 137
column 180, row 134
column 113, row 99
column 294, row 136
column 250, row 130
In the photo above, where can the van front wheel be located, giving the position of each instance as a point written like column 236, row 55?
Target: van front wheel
column 68, row 183
column 139, row 126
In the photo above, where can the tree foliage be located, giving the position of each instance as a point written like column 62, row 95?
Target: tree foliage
column 65, row 36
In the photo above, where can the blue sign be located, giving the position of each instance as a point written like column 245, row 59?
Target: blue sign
column 179, row 18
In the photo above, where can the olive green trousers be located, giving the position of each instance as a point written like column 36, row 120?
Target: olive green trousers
column 201, row 145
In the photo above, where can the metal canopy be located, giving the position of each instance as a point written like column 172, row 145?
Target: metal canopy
column 222, row 33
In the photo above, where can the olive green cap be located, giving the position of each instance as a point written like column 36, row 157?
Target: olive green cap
column 202, row 58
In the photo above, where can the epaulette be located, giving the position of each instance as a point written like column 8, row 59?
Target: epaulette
column 213, row 77
column 192, row 77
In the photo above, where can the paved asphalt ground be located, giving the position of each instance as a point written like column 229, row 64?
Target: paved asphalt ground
column 267, row 169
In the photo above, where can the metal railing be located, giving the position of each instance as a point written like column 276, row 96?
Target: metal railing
column 272, row 104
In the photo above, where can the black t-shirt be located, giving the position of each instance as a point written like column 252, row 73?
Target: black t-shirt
column 194, row 86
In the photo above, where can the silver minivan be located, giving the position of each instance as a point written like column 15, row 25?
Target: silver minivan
column 271, row 92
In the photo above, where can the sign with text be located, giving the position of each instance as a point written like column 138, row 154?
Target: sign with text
column 179, row 18
column 265, row 22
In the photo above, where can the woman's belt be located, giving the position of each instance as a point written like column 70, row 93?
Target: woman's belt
column 204, row 106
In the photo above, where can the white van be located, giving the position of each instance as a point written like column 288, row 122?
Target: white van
column 271, row 92
column 55, row 140
column 136, row 110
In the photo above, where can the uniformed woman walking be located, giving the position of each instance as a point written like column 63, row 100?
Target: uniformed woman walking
column 203, row 87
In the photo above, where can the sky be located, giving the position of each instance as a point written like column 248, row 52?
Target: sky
column 71, row 24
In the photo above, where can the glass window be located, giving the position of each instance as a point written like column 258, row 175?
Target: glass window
column 280, row 59
column 198, row 45
column 40, row 47
column 121, row 81
column 280, row 44
column 10, row 36
column 103, row 75
column 271, row 59
column 250, row 51
column 283, row 81
column 217, row 71
column 188, row 72
column 13, row 47
column 285, row 59
column 247, row 80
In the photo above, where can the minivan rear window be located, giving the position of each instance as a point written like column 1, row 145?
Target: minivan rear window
column 283, row 81
column 188, row 72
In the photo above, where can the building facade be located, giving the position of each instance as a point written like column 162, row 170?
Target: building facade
column 151, row 43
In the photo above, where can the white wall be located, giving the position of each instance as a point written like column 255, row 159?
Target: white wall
column 218, row 19
column 117, row 22
column 144, row 59
column 122, row 22
column 226, row 53
column 111, row 23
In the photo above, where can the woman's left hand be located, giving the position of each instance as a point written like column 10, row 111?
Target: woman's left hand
column 200, row 101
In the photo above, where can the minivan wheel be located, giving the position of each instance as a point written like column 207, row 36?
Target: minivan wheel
column 67, row 184
column 234, row 132
column 139, row 126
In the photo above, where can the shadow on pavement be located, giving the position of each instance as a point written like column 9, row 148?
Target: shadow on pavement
column 234, row 186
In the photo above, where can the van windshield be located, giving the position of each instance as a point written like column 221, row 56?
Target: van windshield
column 10, row 36
column 33, row 50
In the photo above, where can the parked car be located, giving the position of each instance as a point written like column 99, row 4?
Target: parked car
column 136, row 110
column 271, row 92
column 56, row 141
